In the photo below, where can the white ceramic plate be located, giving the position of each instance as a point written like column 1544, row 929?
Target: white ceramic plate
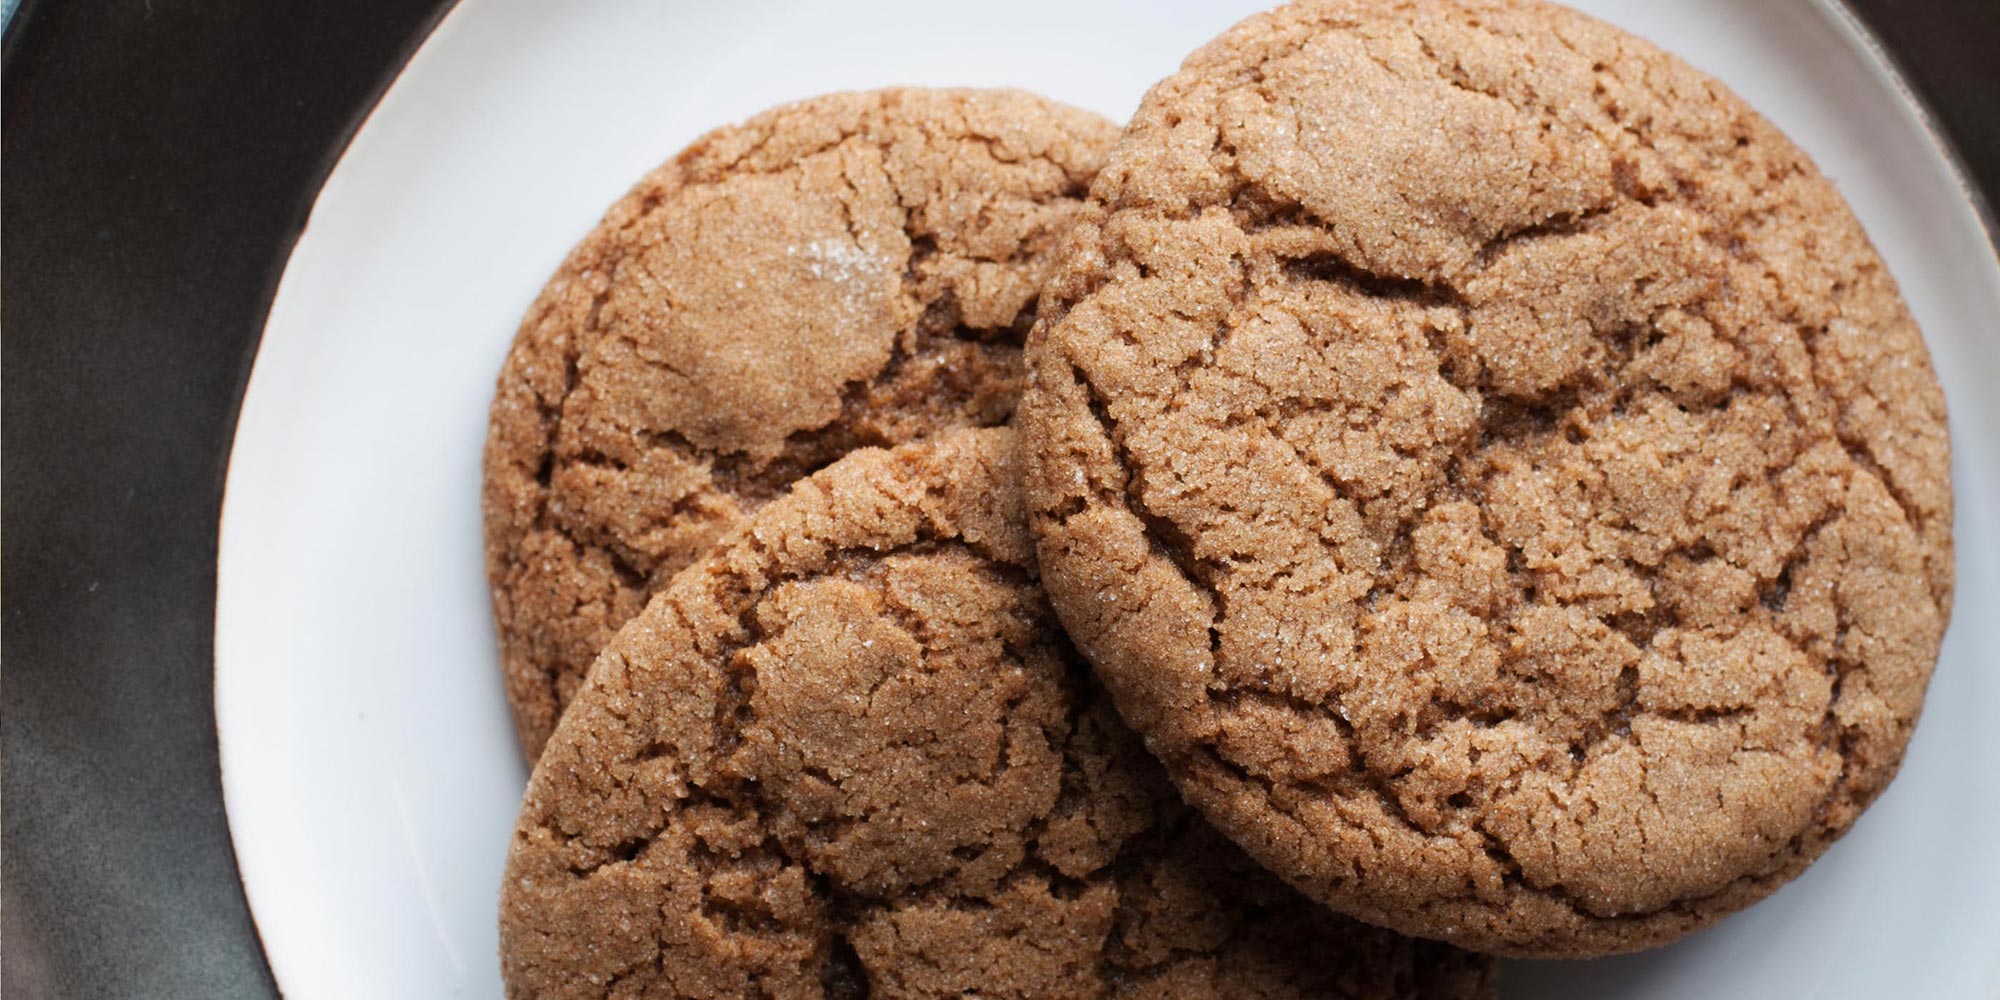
column 368, row 762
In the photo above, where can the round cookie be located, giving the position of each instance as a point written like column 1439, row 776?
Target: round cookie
column 1490, row 465
column 851, row 270
column 849, row 754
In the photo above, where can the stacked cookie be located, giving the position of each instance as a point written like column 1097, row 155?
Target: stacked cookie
column 1481, row 461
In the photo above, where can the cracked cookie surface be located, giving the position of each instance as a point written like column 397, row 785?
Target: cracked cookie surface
column 852, row 270
column 1492, row 468
column 849, row 754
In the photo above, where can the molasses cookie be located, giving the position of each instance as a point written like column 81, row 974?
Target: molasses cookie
column 1491, row 467
column 849, row 754
column 852, row 270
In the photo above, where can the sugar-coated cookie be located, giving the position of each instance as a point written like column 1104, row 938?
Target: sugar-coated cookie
column 849, row 754
column 852, row 270
column 1491, row 467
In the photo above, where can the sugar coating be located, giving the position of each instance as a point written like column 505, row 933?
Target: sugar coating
column 1491, row 466
column 851, row 270
column 849, row 754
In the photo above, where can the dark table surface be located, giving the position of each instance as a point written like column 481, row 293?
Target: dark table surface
column 160, row 158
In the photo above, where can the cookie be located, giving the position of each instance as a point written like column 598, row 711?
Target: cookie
column 849, row 754
column 852, row 270
column 1491, row 467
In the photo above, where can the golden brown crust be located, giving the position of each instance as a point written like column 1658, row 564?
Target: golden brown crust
column 851, row 270
column 1490, row 465
column 849, row 753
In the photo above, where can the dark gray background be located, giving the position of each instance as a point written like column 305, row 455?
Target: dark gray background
column 160, row 157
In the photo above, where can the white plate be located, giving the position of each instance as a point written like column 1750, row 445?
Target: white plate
column 369, row 766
